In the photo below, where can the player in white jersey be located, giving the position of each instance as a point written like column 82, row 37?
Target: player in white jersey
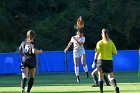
column 78, row 48
column 78, row 52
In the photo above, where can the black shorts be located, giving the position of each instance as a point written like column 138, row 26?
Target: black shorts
column 105, row 66
column 28, row 62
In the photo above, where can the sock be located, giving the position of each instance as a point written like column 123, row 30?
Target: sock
column 117, row 90
column 30, row 84
column 95, row 79
column 101, row 86
column 106, row 80
column 113, row 81
column 78, row 79
column 85, row 68
column 109, row 78
column 77, row 71
column 23, row 83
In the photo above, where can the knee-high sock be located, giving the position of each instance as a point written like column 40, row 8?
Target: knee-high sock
column 95, row 79
column 85, row 68
column 76, row 71
column 23, row 83
column 106, row 80
column 30, row 84
column 113, row 81
column 101, row 86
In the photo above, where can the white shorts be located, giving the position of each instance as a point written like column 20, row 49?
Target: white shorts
column 78, row 53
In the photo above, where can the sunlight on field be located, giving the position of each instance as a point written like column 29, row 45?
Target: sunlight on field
column 65, row 83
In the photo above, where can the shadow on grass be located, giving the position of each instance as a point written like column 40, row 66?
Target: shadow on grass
column 63, row 79
column 55, row 92
column 71, row 92
column 124, row 91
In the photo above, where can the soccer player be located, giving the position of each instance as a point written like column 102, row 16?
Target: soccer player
column 95, row 79
column 78, row 48
column 105, row 49
column 28, row 50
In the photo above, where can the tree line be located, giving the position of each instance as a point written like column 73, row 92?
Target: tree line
column 53, row 21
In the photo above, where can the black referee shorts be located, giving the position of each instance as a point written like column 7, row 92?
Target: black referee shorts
column 105, row 66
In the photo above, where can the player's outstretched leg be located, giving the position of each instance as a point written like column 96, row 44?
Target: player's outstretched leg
column 106, row 80
column 30, row 84
column 113, row 81
column 95, row 80
column 23, row 83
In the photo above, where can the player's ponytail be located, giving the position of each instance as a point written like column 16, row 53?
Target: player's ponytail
column 105, row 32
column 79, row 23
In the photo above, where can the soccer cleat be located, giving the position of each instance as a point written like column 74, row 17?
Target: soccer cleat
column 117, row 90
column 95, row 85
column 107, row 85
column 87, row 74
column 22, row 91
column 78, row 79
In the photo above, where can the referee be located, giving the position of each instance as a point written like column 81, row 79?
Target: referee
column 104, row 51
column 28, row 50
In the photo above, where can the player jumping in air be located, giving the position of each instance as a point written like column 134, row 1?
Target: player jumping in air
column 78, row 48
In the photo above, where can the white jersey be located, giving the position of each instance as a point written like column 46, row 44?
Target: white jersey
column 78, row 50
column 76, row 46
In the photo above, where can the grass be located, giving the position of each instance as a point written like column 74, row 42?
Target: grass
column 128, row 82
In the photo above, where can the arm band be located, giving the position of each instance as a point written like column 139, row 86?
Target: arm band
column 95, row 60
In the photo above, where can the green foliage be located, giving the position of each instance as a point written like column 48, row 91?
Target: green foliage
column 53, row 22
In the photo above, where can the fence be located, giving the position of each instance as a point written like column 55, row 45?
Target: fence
column 58, row 61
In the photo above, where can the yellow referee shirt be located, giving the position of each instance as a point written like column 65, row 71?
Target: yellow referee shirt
column 105, row 50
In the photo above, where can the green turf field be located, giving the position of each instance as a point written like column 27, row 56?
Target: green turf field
column 65, row 83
